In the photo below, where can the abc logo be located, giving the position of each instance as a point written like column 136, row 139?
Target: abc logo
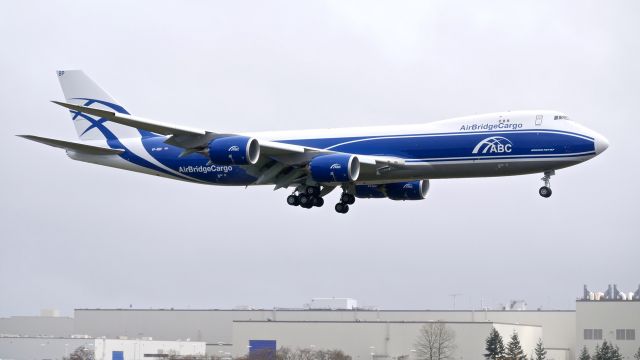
column 493, row 145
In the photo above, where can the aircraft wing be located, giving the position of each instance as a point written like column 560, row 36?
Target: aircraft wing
column 280, row 159
column 181, row 136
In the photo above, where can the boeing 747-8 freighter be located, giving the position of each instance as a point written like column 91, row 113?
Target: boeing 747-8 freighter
column 394, row 162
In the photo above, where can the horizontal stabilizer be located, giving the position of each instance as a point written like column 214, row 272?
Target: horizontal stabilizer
column 68, row 145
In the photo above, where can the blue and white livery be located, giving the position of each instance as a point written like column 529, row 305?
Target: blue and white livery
column 394, row 162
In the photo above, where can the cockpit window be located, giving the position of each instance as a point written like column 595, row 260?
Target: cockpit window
column 560, row 117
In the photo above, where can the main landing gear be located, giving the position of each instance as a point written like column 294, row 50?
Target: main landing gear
column 346, row 199
column 545, row 191
column 307, row 198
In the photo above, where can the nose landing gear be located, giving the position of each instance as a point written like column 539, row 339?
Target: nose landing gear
column 545, row 191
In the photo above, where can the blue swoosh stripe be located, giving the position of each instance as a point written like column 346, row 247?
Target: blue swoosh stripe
column 114, row 142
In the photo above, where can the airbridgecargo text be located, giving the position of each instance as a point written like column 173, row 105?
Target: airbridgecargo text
column 476, row 127
column 205, row 169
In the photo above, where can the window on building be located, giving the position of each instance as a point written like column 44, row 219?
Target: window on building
column 588, row 334
column 597, row 334
column 631, row 334
column 625, row 334
column 594, row 334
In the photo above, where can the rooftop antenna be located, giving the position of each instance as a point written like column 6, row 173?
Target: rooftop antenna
column 454, row 299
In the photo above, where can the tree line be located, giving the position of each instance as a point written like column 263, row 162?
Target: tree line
column 496, row 350
column 606, row 351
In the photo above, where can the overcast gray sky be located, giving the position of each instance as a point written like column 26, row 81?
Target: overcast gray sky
column 81, row 235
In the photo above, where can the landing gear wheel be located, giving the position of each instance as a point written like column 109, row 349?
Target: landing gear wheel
column 319, row 202
column 342, row 208
column 313, row 190
column 545, row 191
column 347, row 198
column 293, row 200
column 306, row 201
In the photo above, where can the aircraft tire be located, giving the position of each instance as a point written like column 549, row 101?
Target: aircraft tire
column 313, row 190
column 293, row 200
column 545, row 191
column 342, row 208
column 305, row 200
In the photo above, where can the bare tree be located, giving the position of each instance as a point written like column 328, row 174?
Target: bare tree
column 285, row 353
column 82, row 353
column 436, row 341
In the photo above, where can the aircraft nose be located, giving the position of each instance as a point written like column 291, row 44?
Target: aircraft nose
column 601, row 144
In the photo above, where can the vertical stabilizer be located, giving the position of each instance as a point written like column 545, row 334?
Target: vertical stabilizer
column 79, row 89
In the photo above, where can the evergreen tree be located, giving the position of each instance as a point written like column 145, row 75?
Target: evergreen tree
column 597, row 354
column 494, row 346
column 637, row 354
column 607, row 352
column 541, row 353
column 584, row 355
column 615, row 353
column 514, row 349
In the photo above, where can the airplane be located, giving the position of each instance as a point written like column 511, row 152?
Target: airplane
column 394, row 162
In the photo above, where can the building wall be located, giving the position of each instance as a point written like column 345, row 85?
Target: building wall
column 373, row 340
column 136, row 349
column 55, row 348
column 30, row 348
column 608, row 316
column 37, row 326
column 215, row 326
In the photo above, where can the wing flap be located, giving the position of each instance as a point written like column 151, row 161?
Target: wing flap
column 68, row 145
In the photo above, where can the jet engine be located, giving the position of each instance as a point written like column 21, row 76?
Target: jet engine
column 334, row 168
column 412, row 190
column 234, row 150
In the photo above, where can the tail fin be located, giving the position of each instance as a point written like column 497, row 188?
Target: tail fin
column 79, row 89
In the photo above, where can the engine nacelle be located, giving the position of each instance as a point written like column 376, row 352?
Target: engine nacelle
column 234, row 150
column 335, row 168
column 412, row 190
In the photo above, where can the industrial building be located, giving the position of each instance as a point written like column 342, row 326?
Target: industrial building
column 376, row 339
column 362, row 333
column 220, row 328
column 103, row 349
